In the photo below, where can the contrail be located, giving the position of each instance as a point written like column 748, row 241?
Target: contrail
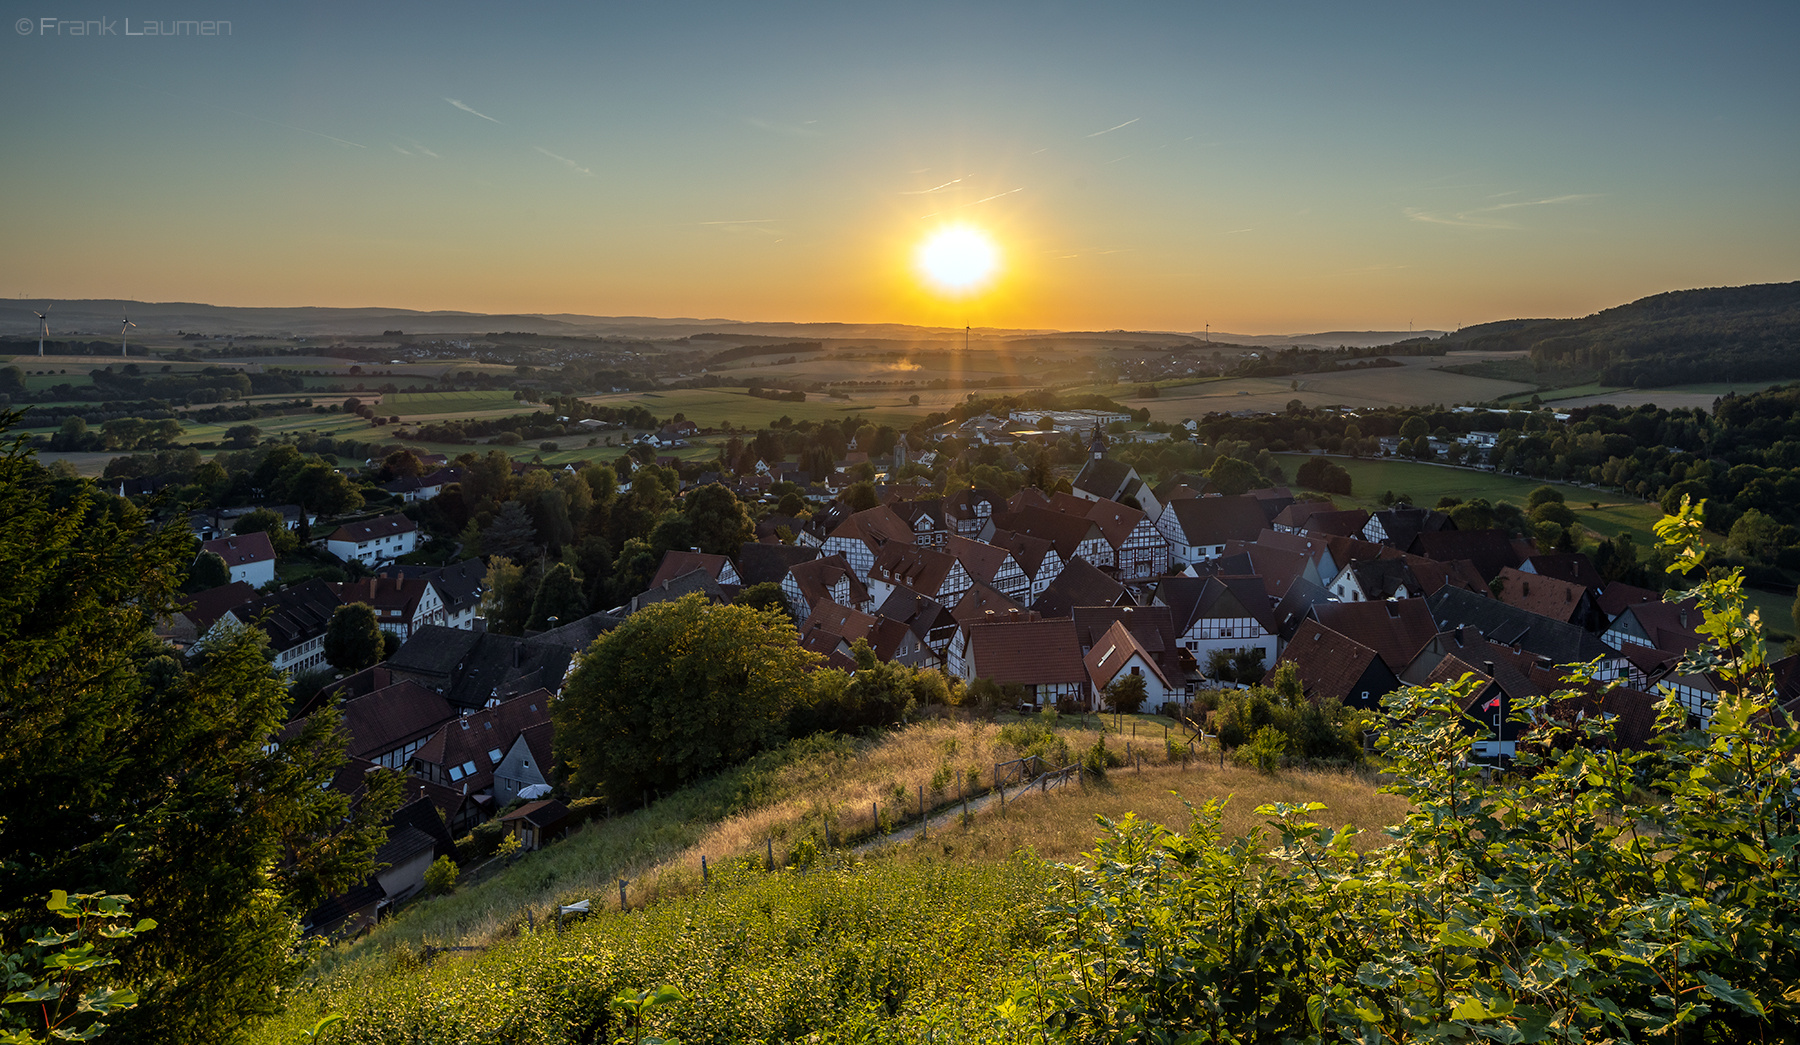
column 466, row 109
column 1109, row 130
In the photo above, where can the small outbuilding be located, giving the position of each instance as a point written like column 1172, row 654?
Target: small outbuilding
column 535, row 823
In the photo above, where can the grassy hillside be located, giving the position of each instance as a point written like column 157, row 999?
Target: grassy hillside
column 939, row 913
column 1739, row 333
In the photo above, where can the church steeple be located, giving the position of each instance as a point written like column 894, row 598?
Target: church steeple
column 1097, row 448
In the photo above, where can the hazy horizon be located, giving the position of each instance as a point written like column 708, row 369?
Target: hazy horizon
column 1270, row 171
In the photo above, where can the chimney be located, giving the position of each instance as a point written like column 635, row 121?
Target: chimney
column 1459, row 629
column 1487, row 667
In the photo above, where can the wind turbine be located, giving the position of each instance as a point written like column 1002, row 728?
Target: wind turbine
column 123, row 323
column 43, row 327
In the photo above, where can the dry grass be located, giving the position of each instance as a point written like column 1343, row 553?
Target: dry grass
column 659, row 850
column 1061, row 825
column 841, row 789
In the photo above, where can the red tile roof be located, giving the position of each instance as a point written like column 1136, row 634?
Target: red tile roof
column 983, row 602
column 676, row 563
column 473, row 738
column 392, row 717
column 242, row 549
column 1039, row 652
column 982, row 560
column 1064, row 532
column 386, row 526
column 1329, row 663
column 206, row 607
column 383, row 592
column 913, row 566
column 875, row 527
column 1397, row 630
column 1027, row 551
column 1542, row 595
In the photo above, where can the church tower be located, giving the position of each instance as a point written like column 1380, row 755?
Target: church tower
column 1097, row 448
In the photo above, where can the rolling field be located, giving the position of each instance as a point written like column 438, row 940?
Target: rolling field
column 712, row 407
column 1428, row 482
column 1690, row 396
column 1417, row 383
column 453, row 406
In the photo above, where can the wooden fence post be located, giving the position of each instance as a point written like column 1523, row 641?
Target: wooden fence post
column 770, row 842
column 622, row 894
column 924, row 821
column 705, row 875
column 875, row 814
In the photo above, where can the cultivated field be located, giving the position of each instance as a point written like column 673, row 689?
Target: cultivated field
column 1670, row 398
column 712, row 407
column 453, row 406
column 1417, row 383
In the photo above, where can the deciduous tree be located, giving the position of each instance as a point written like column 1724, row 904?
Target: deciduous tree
column 1229, row 476
column 165, row 783
column 209, row 571
column 719, row 524
column 558, row 601
column 680, row 690
column 353, row 638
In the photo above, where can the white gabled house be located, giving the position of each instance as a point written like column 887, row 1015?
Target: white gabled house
column 1212, row 613
column 250, row 557
column 374, row 541
column 1199, row 528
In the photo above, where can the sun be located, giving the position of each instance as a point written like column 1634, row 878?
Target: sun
column 958, row 258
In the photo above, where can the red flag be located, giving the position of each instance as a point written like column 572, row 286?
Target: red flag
column 1492, row 704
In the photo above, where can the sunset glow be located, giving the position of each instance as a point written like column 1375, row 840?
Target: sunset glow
column 858, row 163
column 958, row 259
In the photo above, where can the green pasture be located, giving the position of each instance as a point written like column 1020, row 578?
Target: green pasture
column 1425, row 483
column 454, row 405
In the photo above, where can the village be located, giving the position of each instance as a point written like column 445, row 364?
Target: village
column 1049, row 598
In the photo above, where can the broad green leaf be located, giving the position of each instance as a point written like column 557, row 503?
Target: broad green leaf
column 1725, row 992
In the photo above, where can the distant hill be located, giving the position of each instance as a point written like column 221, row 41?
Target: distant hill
column 1326, row 339
column 1722, row 333
column 100, row 318
column 1726, row 333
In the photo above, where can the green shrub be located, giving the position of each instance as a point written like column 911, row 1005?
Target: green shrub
column 1035, row 736
column 1096, row 760
column 480, row 843
column 1265, row 750
column 440, row 877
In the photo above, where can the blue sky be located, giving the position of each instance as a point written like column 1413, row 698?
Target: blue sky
column 1262, row 168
